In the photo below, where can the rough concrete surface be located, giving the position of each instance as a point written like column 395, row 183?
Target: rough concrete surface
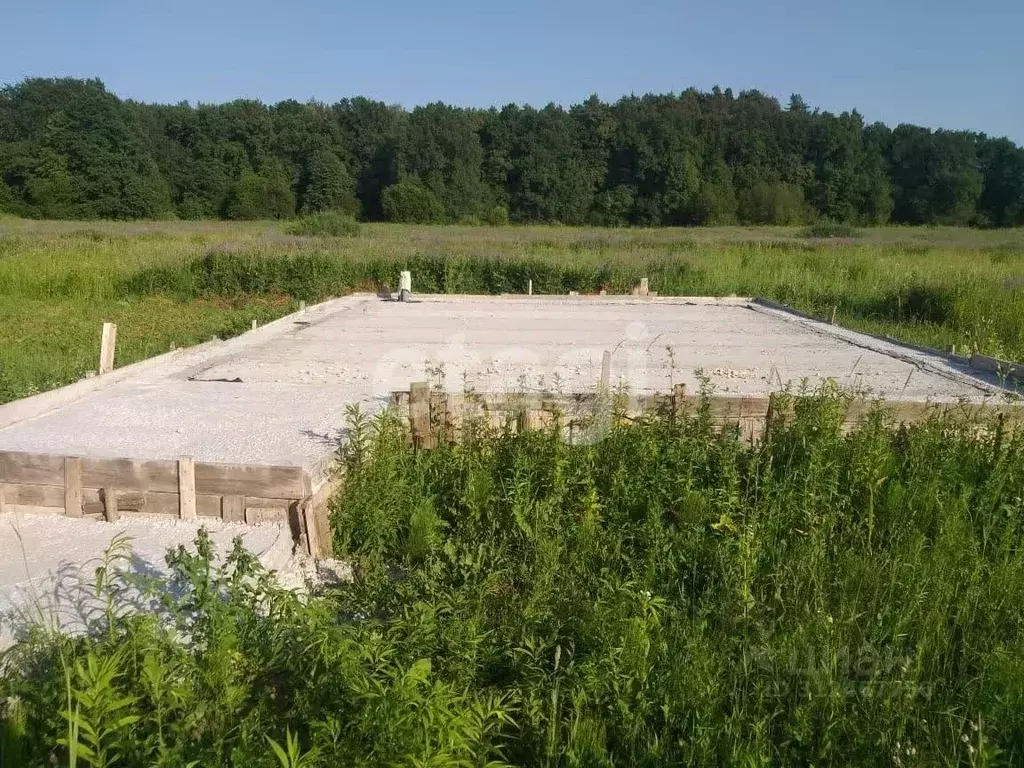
column 277, row 395
column 48, row 562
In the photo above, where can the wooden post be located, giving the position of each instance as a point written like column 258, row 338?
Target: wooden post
column 526, row 420
column 110, row 511
column 187, row 488
column 529, row 287
column 644, row 286
column 309, row 523
column 73, row 487
column 832, row 319
column 678, row 400
column 419, row 413
column 404, row 285
column 3, row 498
column 606, row 370
column 232, row 509
column 108, row 343
column 254, row 324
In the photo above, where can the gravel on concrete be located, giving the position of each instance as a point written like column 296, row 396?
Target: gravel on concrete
column 277, row 395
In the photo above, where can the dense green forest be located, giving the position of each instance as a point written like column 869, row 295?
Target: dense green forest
column 71, row 149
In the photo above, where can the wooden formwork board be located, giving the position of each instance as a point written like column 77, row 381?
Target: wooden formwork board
column 185, row 489
column 114, row 488
column 431, row 413
column 277, row 482
column 1002, row 368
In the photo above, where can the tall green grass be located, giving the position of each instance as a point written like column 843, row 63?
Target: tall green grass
column 184, row 282
column 670, row 595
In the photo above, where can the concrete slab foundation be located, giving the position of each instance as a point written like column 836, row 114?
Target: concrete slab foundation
column 278, row 395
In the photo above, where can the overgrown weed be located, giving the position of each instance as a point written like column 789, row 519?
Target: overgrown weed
column 671, row 594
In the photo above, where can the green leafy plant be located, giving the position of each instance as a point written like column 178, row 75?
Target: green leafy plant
column 672, row 593
column 291, row 754
column 325, row 224
column 409, row 202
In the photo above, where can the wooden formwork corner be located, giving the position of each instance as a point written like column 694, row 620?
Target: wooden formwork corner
column 315, row 516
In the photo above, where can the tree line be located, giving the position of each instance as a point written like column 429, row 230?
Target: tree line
column 71, row 149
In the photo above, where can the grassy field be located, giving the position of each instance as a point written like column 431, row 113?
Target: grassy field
column 667, row 596
column 180, row 283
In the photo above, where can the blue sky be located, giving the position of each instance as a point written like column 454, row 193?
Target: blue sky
column 940, row 63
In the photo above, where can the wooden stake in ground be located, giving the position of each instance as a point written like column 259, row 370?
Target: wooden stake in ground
column 529, row 287
column 110, row 510
column 309, row 523
column 187, row 488
column 606, row 370
column 678, row 400
column 419, row 414
column 73, row 487
column 232, row 509
column 108, row 343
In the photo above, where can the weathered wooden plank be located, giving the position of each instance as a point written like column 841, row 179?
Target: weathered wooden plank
column 48, row 469
column 606, row 370
column 206, row 505
column 129, row 475
column 997, row 366
column 259, row 502
column 310, row 527
column 751, row 429
column 110, row 511
column 233, row 509
column 108, row 345
column 167, row 504
column 36, row 468
column 748, row 412
column 733, row 408
column 276, row 482
column 73, row 487
column 51, row 497
column 270, row 482
column 257, row 515
column 186, row 488
column 44, row 496
column 419, row 414
column 442, row 415
column 319, row 504
column 678, row 402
